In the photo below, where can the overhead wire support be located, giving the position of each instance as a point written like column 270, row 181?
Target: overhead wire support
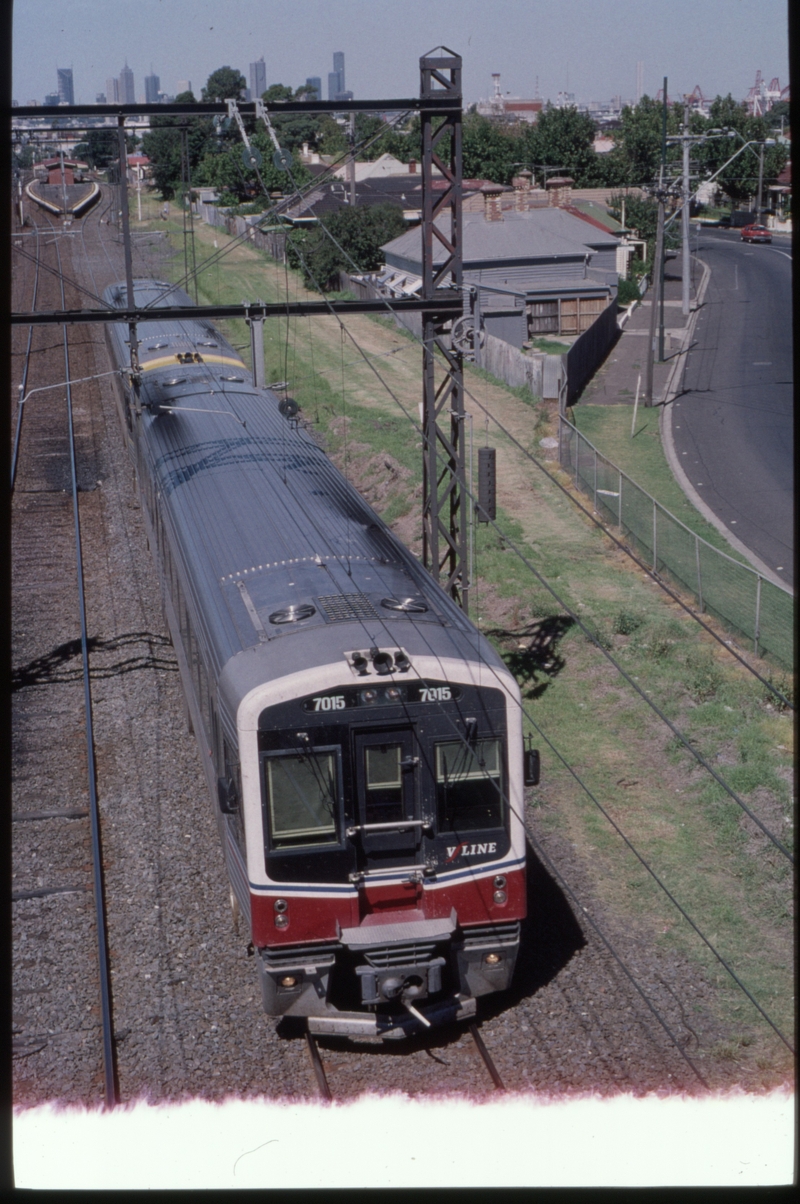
column 444, row 527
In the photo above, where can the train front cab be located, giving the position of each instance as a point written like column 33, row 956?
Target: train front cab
column 384, row 817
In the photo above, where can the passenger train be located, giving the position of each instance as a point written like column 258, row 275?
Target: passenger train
column 361, row 739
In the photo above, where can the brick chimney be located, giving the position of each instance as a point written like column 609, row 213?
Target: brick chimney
column 522, row 190
column 559, row 189
column 492, row 202
column 412, row 167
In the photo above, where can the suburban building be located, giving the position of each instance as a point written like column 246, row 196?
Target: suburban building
column 536, row 268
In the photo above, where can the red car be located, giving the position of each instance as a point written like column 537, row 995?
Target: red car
column 756, row 233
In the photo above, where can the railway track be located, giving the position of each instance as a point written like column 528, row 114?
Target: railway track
column 187, row 1020
column 321, row 1077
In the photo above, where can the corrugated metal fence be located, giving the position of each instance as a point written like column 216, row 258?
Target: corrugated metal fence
column 745, row 601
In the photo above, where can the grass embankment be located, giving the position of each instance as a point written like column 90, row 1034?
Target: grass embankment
column 734, row 883
column 641, row 457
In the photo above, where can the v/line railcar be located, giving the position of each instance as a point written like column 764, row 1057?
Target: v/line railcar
column 361, row 740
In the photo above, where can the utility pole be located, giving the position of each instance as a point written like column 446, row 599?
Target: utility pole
column 686, row 268
column 662, row 182
column 657, row 259
column 760, row 179
column 658, row 264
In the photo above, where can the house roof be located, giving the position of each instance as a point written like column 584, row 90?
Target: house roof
column 538, row 234
column 596, row 214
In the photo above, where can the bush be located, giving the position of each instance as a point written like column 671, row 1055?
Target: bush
column 360, row 232
column 627, row 291
column 626, row 623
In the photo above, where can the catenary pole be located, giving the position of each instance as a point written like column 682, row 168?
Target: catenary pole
column 662, row 181
column 686, row 269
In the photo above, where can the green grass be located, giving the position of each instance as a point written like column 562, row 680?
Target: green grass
column 729, row 879
column 641, row 457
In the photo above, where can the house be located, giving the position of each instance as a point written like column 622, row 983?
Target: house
column 535, row 268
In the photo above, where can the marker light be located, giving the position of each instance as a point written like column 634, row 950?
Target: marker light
column 500, row 896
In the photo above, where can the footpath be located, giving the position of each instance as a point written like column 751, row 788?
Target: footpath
column 615, row 382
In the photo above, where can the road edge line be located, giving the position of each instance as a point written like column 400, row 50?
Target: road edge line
column 671, row 390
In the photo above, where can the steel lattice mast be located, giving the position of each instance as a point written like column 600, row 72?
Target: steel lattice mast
column 444, row 526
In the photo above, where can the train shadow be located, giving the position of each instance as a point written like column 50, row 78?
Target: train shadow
column 550, row 937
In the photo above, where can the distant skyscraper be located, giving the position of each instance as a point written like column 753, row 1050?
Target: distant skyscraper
column 184, row 85
column 112, row 90
column 66, row 94
column 258, row 79
column 314, row 82
column 338, row 65
column 51, row 98
column 100, row 98
column 127, row 92
column 152, row 87
column 336, row 77
column 639, row 81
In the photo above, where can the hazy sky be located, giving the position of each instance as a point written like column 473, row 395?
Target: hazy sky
column 589, row 47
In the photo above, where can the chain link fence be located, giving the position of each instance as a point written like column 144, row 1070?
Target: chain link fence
column 741, row 598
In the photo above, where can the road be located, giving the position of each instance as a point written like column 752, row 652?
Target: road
column 732, row 424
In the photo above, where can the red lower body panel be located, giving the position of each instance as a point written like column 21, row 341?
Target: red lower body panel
column 315, row 917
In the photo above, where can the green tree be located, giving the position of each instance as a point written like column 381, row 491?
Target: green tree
column 359, row 231
column 490, row 151
column 739, row 179
column 636, row 157
column 563, row 138
column 162, row 145
column 226, row 83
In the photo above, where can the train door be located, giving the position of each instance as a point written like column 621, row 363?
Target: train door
column 389, row 827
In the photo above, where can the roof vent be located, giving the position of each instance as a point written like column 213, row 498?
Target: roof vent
column 293, row 614
column 413, row 606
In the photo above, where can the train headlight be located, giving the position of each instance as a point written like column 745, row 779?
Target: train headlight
column 281, row 921
column 288, row 980
column 500, row 896
column 369, row 696
column 493, row 959
column 281, row 906
column 500, row 881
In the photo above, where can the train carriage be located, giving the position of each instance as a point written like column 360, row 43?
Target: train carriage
column 361, row 740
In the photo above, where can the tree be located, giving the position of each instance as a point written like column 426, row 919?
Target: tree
column 489, row 151
column 359, row 231
column 563, row 138
column 636, row 157
column 739, row 180
column 226, row 83
column 162, row 145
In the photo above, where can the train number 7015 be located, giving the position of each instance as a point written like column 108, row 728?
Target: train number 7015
column 330, row 702
column 435, row 694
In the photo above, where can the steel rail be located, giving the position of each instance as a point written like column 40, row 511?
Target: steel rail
column 109, row 1061
column 319, row 1069
column 26, row 366
column 487, row 1060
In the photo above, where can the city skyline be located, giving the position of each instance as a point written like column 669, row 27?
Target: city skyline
column 730, row 40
